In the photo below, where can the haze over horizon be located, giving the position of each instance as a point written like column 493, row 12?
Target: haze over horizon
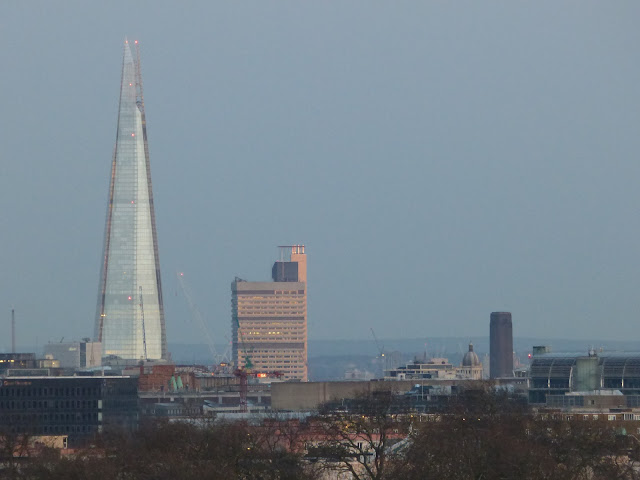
column 439, row 161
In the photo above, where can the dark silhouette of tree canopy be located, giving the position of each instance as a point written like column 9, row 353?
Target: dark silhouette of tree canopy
column 161, row 450
column 494, row 435
column 479, row 434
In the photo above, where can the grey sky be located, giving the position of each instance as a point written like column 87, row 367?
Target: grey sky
column 440, row 160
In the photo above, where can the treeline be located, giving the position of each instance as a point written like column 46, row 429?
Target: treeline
column 162, row 450
column 488, row 435
column 480, row 434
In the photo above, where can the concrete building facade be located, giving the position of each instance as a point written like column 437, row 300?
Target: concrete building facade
column 269, row 319
column 289, row 396
column 75, row 354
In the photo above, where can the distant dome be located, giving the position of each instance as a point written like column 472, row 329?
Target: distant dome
column 470, row 358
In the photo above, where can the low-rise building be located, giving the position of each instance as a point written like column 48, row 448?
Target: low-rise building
column 418, row 370
column 84, row 354
column 559, row 374
column 17, row 360
column 172, row 410
column 439, row 368
column 68, row 405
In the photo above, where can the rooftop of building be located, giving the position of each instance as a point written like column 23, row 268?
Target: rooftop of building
column 63, row 377
column 24, row 355
column 588, row 353
column 269, row 285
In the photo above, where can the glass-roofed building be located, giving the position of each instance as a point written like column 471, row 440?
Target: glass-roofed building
column 560, row 374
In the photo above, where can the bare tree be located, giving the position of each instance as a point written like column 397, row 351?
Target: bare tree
column 357, row 439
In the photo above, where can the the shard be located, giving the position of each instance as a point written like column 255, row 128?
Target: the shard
column 130, row 315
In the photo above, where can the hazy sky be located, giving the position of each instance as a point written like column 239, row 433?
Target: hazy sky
column 440, row 160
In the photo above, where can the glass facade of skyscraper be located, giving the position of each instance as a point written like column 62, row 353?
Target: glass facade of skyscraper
column 130, row 315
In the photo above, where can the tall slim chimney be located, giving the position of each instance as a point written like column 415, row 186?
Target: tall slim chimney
column 13, row 330
column 501, row 345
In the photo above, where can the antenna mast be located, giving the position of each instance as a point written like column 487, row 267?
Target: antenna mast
column 13, row 330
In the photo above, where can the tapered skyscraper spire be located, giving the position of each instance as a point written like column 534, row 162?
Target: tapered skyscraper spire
column 130, row 315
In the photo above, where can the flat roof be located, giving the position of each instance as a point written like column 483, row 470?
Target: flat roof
column 605, row 354
column 64, row 377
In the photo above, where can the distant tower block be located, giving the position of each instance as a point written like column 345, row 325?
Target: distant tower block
column 269, row 319
column 130, row 265
column 501, row 345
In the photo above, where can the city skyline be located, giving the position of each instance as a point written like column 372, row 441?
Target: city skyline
column 443, row 161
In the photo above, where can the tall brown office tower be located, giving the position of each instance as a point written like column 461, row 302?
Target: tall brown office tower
column 501, row 345
column 269, row 319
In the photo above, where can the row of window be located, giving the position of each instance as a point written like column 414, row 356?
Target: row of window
column 273, row 301
column 46, row 391
column 57, row 429
column 31, row 404
column 611, row 417
column 298, row 326
column 262, row 294
column 616, row 383
column 265, row 306
column 262, row 357
column 274, row 322
column 39, row 419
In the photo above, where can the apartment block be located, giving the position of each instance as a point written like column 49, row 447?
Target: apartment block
column 269, row 319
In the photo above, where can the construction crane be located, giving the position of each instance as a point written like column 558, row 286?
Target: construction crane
column 380, row 350
column 246, row 370
column 244, row 375
column 144, row 333
column 227, row 351
column 242, row 372
column 186, row 291
column 248, row 364
column 375, row 339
